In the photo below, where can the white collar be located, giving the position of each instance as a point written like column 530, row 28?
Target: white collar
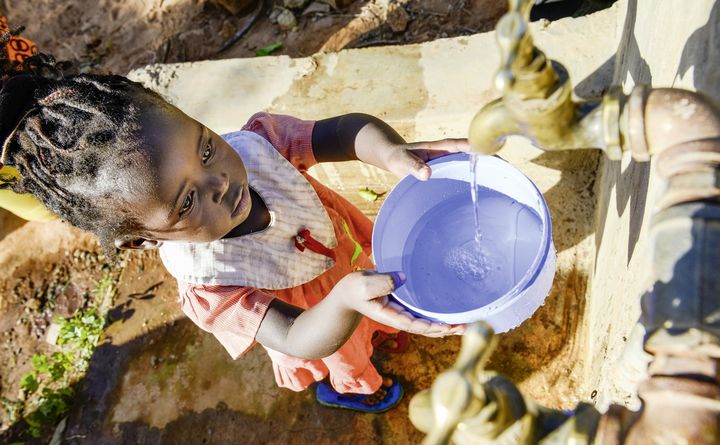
column 266, row 259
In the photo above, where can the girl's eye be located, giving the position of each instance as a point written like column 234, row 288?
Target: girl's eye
column 207, row 154
column 187, row 204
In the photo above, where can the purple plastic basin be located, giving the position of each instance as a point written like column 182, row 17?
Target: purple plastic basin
column 426, row 229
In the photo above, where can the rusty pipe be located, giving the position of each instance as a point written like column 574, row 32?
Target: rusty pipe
column 681, row 130
column 656, row 119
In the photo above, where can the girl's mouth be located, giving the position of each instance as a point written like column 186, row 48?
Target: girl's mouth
column 243, row 202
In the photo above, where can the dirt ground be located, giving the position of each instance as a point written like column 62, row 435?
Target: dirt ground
column 117, row 36
column 55, row 269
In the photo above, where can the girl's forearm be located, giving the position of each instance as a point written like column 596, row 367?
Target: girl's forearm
column 314, row 333
column 351, row 137
column 324, row 328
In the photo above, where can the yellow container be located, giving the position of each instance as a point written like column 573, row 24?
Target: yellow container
column 23, row 205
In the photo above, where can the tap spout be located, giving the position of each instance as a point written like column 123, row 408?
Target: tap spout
column 553, row 123
column 490, row 126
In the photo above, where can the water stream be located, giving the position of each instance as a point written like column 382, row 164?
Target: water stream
column 473, row 195
column 469, row 261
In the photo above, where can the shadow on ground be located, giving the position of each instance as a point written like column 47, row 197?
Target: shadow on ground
column 176, row 385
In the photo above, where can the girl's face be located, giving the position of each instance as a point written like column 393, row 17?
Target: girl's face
column 201, row 189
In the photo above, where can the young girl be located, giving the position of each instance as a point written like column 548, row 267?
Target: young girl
column 262, row 252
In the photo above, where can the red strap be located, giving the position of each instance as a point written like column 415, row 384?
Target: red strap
column 305, row 240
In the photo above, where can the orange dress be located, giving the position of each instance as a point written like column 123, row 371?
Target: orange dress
column 234, row 313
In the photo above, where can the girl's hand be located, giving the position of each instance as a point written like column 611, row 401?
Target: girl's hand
column 405, row 159
column 373, row 141
column 410, row 159
column 322, row 329
column 366, row 292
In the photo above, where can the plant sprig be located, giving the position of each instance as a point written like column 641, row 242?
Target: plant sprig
column 49, row 381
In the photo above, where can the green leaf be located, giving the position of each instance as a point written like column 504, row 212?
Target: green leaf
column 93, row 339
column 34, row 431
column 29, row 383
column 57, row 371
column 66, row 358
column 358, row 247
column 369, row 195
column 40, row 363
column 66, row 392
column 34, row 419
column 267, row 50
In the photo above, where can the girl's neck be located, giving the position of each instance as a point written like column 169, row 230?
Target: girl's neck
column 258, row 219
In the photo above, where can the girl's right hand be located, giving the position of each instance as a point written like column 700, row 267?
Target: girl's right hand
column 367, row 293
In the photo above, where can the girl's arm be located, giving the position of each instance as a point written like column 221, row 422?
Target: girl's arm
column 366, row 138
column 321, row 330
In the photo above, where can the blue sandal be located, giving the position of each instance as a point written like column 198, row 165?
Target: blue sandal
column 326, row 396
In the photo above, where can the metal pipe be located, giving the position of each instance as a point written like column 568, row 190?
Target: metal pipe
column 680, row 130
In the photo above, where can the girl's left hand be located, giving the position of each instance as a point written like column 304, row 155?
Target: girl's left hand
column 366, row 293
column 394, row 315
column 410, row 159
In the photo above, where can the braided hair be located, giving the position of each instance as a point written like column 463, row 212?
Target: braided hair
column 77, row 143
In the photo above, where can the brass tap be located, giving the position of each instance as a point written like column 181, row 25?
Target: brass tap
column 537, row 103
column 469, row 405
column 537, row 100
column 464, row 404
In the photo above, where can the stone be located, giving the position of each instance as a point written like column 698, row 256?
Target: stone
column 286, row 20
column 68, row 301
column 397, row 17
column 53, row 332
column 317, row 8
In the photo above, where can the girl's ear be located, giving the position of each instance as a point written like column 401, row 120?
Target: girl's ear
column 138, row 244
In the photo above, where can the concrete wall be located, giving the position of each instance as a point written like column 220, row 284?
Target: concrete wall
column 572, row 348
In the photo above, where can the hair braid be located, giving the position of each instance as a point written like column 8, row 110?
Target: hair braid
column 78, row 147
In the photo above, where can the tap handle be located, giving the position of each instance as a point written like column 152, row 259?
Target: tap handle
column 515, row 42
column 458, row 392
column 451, row 394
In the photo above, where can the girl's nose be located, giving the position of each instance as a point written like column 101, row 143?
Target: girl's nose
column 219, row 185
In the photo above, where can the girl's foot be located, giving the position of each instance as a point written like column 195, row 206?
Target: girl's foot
column 379, row 395
column 385, row 398
column 392, row 343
